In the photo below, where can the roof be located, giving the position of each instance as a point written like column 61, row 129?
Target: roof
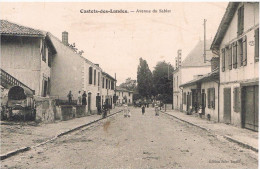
column 224, row 24
column 9, row 28
column 212, row 76
column 123, row 89
column 195, row 58
column 109, row 76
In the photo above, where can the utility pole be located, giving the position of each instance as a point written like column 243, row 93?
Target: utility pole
column 204, row 54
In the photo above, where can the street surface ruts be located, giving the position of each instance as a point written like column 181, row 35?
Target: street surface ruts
column 141, row 141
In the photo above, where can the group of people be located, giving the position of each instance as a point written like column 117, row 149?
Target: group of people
column 81, row 100
column 156, row 109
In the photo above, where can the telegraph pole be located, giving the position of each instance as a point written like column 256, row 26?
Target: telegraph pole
column 204, row 54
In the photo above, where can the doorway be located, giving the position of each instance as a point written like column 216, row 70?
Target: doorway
column 250, row 107
column 89, row 102
column 227, row 105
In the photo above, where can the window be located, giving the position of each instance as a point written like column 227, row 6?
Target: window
column 95, row 76
column 106, row 83
column 244, row 51
column 240, row 22
column 43, row 51
column 184, row 98
column 223, row 59
column 109, row 83
column 90, row 75
column 49, row 58
column 211, row 98
column 234, row 52
column 257, row 45
column 112, row 85
column 103, row 82
column 98, row 78
column 236, row 99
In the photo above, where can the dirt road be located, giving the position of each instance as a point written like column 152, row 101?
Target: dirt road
column 141, row 141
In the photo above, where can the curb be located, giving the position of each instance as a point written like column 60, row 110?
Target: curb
column 24, row 149
column 241, row 144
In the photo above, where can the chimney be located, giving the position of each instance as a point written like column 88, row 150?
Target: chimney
column 214, row 63
column 65, row 38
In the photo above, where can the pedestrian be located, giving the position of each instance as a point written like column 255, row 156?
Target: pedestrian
column 70, row 97
column 156, row 110
column 84, row 98
column 126, row 111
column 98, row 103
column 143, row 110
column 79, row 101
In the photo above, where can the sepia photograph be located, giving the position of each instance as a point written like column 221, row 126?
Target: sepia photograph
column 129, row 85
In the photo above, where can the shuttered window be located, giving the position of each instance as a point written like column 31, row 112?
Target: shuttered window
column 240, row 23
column 234, row 53
column 257, row 45
column 240, row 53
column 90, row 75
column 98, row 78
column 95, row 77
column 103, row 82
column 230, row 57
column 236, row 100
column 244, row 51
column 43, row 51
column 211, row 98
column 223, row 59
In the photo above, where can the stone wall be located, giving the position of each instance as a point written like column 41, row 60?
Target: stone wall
column 45, row 109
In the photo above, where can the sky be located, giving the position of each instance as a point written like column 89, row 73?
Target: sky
column 116, row 41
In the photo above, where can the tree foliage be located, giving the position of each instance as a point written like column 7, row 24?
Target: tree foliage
column 144, row 79
column 129, row 84
column 162, row 81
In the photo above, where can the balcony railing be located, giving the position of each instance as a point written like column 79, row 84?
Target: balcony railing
column 8, row 80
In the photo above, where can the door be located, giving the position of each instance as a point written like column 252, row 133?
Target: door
column 227, row 105
column 203, row 101
column 89, row 102
column 250, row 107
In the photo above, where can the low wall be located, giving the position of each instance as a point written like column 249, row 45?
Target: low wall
column 80, row 111
column 45, row 109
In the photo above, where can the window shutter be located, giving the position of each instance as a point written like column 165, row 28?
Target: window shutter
column 239, row 99
column 244, row 51
column 257, row 45
column 223, row 60
column 235, row 55
column 90, row 75
column 230, row 57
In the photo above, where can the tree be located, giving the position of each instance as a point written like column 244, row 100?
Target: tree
column 144, row 79
column 129, row 84
column 73, row 47
column 162, row 81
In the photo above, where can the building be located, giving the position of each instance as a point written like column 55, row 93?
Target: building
column 26, row 57
column 72, row 72
column 108, row 90
column 202, row 93
column 192, row 67
column 237, row 44
column 124, row 96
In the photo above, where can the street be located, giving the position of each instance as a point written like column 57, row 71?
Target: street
column 141, row 141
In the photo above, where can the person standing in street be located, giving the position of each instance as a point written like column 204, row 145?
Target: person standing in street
column 70, row 97
column 79, row 102
column 84, row 98
column 143, row 110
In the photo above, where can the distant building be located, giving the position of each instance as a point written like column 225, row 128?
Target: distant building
column 108, row 90
column 192, row 67
column 237, row 44
column 124, row 95
column 26, row 57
